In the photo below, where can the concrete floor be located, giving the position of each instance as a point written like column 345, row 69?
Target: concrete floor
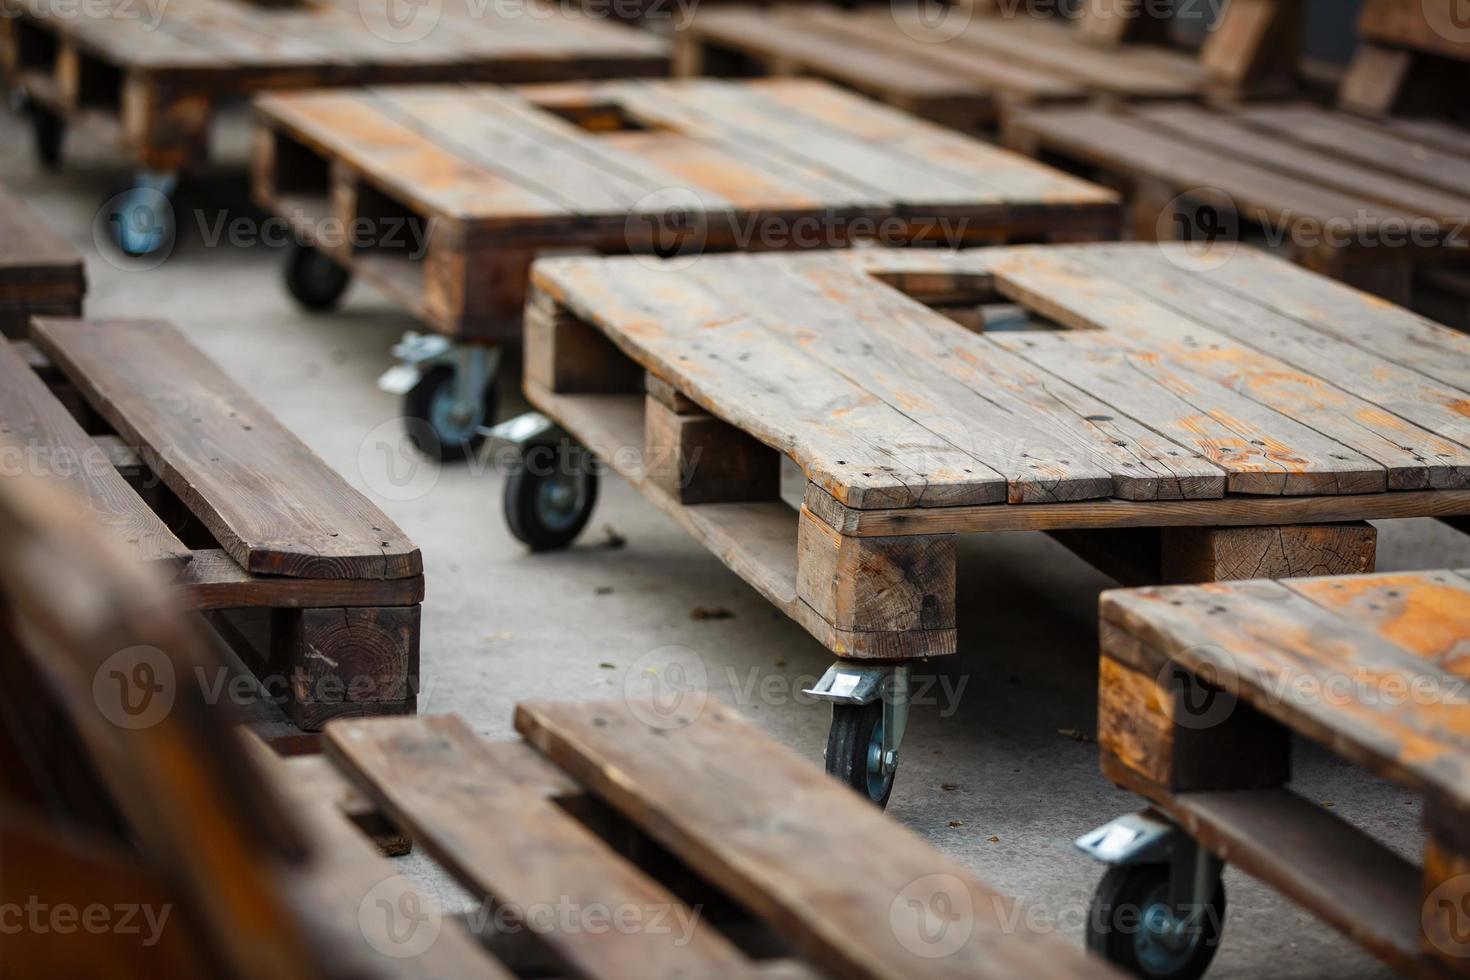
column 501, row 626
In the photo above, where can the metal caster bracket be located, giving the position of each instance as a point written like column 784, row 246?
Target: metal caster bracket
column 849, row 683
column 1145, row 838
column 529, row 429
column 474, row 367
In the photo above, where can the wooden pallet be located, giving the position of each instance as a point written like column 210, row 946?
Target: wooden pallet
column 1413, row 59
column 40, row 273
column 617, row 842
column 1372, row 667
column 489, row 176
column 313, row 586
column 1244, row 406
column 1365, row 201
column 966, row 69
column 161, row 70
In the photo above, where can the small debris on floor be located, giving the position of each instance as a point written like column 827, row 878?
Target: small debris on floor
column 956, row 823
column 948, row 787
column 499, row 637
column 702, row 613
column 993, row 840
column 1075, row 735
column 603, row 590
column 1328, row 804
column 607, row 666
column 611, row 538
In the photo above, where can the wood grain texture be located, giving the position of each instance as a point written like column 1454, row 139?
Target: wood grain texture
column 719, row 820
column 40, row 438
column 40, row 273
column 1222, row 554
column 272, row 504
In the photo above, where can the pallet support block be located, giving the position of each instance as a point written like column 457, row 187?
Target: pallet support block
column 346, row 662
column 473, row 290
column 1446, row 905
column 876, row 585
column 1163, row 727
column 698, row 459
column 169, row 129
column 1254, row 50
column 568, row 356
column 1222, row 554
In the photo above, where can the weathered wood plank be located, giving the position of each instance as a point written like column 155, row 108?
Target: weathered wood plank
column 272, row 504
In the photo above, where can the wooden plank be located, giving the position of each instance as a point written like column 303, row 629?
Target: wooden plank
column 509, row 842
column 31, row 253
column 42, row 439
column 272, row 504
column 212, row 580
column 719, row 821
column 1303, row 665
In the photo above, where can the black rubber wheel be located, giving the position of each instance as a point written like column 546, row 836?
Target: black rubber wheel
column 315, row 280
column 433, row 427
column 854, row 750
column 1126, row 925
column 50, row 134
column 550, row 495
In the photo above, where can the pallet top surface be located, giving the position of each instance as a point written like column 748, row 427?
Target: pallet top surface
column 30, row 252
column 622, row 157
column 964, row 52
column 1132, row 377
column 335, row 36
column 1325, row 174
column 1377, row 666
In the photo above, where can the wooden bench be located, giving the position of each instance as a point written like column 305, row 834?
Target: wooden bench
column 966, row 70
column 473, row 181
column 1201, row 687
column 310, row 584
column 1172, row 415
column 40, row 273
column 618, row 840
column 1411, row 61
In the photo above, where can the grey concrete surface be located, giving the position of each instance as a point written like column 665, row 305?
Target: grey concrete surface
column 993, row 776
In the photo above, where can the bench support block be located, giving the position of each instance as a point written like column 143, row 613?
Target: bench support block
column 347, row 662
column 568, row 356
column 1221, row 554
column 698, row 459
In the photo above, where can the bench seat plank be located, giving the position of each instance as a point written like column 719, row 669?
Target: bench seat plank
column 723, row 819
column 40, row 436
column 506, row 840
column 269, row 501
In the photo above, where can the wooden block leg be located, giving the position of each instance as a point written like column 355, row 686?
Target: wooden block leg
column 1445, row 912
column 878, row 598
column 1221, row 554
column 169, row 129
column 473, row 290
column 347, row 662
column 698, row 459
column 1391, row 278
column 568, row 356
column 1164, row 731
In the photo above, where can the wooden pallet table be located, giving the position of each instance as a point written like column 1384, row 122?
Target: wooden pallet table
column 1411, row 60
column 965, row 70
column 160, row 71
column 1202, row 688
column 1169, row 413
column 40, row 273
column 1374, row 203
column 308, row 582
column 484, row 178
column 616, row 842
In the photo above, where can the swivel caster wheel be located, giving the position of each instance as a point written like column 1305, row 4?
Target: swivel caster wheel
column 1133, row 925
column 141, row 219
column 315, row 280
column 49, row 130
column 439, row 426
column 549, row 497
column 855, row 750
